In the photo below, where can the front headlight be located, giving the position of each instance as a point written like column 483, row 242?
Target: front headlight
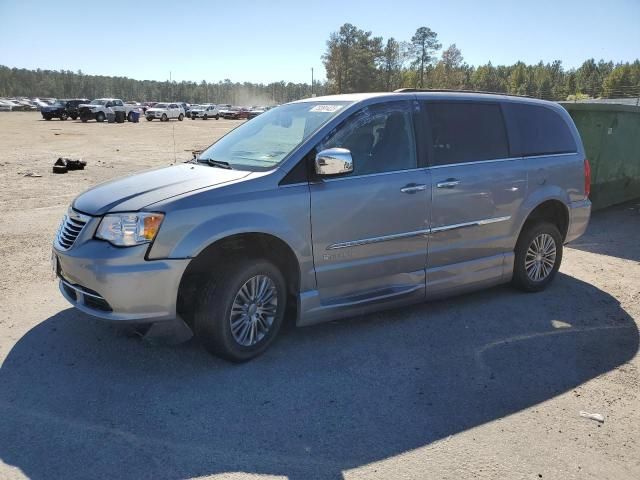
column 128, row 229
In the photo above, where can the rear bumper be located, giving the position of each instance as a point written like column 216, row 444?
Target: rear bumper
column 118, row 284
column 579, row 215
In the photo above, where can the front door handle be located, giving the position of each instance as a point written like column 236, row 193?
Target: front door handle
column 413, row 188
column 448, row 183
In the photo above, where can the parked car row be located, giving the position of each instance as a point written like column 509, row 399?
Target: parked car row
column 23, row 104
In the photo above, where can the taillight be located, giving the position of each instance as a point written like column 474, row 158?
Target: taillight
column 587, row 178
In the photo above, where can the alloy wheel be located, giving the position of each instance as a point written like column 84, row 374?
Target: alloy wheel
column 541, row 257
column 254, row 310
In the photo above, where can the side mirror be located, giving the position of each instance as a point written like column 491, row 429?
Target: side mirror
column 334, row 161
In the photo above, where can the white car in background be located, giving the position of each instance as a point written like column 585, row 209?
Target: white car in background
column 165, row 112
column 205, row 112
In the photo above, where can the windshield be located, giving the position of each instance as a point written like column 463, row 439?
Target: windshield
column 59, row 103
column 98, row 102
column 263, row 142
column 160, row 105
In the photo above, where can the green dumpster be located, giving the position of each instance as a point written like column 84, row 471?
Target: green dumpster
column 611, row 137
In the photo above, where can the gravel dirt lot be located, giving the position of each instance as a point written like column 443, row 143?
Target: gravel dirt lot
column 487, row 385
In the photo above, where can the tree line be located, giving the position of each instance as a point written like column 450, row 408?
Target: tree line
column 68, row 84
column 357, row 61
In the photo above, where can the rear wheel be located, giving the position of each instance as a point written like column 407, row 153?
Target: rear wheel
column 241, row 309
column 74, row 117
column 205, row 117
column 100, row 117
column 164, row 117
column 63, row 116
column 47, row 117
column 217, row 117
column 149, row 119
column 538, row 256
column 130, row 117
column 180, row 117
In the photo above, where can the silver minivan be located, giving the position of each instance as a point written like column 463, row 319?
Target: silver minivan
column 332, row 207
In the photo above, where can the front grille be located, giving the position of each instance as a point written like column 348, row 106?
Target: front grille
column 70, row 227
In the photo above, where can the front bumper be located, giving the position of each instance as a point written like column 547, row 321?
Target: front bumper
column 579, row 215
column 118, row 284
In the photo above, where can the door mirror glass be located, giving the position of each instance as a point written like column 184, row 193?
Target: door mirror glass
column 334, row 161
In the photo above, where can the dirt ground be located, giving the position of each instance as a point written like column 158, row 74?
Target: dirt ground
column 487, row 385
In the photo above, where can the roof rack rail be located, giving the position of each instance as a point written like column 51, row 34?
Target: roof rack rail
column 450, row 90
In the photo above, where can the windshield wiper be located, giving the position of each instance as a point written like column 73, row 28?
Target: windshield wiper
column 219, row 164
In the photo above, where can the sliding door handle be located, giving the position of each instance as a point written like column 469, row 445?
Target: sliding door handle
column 448, row 183
column 413, row 188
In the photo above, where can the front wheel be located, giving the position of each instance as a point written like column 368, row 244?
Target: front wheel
column 217, row 117
column 205, row 117
column 149, row 119
column 74, row 117
column 164, row 117
column 180, row 117
column 538, row 256
column 130, row 117
column 241, row 309
column 63, row 116
column 100, row 117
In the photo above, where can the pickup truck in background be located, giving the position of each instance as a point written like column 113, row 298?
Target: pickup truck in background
column 98, row 109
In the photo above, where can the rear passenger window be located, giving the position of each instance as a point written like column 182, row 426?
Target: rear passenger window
column 537, row 130
column 466, row 132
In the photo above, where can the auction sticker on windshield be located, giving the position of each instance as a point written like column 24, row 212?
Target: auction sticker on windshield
column 326, row 108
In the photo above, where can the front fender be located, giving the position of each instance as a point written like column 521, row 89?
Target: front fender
column 212, row 230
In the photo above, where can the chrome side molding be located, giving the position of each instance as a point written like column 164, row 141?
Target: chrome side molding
column 415, row 233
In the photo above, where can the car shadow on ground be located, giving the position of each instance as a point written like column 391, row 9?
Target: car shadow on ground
column 614, row 232
column 80, row 402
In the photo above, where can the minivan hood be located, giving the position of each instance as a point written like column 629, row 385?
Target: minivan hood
column 135, row 192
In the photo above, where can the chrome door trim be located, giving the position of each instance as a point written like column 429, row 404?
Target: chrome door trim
column 476, row 223
column 384, row 238
column 426, row 231
column 367, row 175
column 510, row 159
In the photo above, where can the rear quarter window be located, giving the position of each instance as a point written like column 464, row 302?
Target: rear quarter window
column 465, row 132
column 537, row 130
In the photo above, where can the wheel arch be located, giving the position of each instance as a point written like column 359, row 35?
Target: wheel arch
column 553, row 210
column 252, row 244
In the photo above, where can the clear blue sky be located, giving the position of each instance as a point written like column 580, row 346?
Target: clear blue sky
column 271, row 40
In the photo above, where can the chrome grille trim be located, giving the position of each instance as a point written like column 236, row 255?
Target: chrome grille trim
column 71, row 226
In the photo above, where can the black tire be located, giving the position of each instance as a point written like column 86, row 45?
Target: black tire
column 212, row 323
column 130, row 117
column 74, row 117
column 63, row 116
column 84, row 119
column 100, row 117
column 149, row 119
column 180, row 117
column 47, row 117
column 205, row 117
column 192, row 117
column 217, row 117
column 531, row 231
column 164, row 118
